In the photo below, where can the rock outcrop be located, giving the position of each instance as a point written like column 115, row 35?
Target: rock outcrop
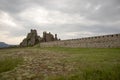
column 47, row 37
column 31, row 39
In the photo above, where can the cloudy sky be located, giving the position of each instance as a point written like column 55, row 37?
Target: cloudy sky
column 68, row 18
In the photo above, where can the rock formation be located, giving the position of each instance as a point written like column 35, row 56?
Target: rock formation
column 48, row 37
column 32, row 38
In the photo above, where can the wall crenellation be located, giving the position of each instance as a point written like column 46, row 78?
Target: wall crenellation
column 104, row 41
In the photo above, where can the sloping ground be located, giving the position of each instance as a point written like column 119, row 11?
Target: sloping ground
column 63, row 64
column 3, row 45
column 38, row 64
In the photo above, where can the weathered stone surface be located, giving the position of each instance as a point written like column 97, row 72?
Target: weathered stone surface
column 105, row 41
column 31, row 39
column 48, row 37
column 56, row 37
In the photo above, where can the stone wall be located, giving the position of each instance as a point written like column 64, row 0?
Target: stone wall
column 105, row 41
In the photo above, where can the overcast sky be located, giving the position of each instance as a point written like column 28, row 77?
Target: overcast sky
column 68, row 18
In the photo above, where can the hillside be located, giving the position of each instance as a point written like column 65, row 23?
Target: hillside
column 59, row 63
column 3, row 45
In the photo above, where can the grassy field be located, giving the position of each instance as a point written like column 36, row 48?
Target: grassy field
column 59, row 63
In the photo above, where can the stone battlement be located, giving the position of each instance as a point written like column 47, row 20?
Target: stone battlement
column 104, row 41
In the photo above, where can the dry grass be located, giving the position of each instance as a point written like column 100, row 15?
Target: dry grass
column 63, row 64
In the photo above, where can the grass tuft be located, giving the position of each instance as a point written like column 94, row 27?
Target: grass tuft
column 9, row 63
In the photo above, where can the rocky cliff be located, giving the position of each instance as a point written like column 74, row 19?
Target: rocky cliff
column 31, row 39
column 47, row 37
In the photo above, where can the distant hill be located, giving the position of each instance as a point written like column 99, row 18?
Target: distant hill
column 3, row 45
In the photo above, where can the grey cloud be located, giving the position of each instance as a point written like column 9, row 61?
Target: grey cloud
column 13, row 6
column 78, row 28
column 108, row 12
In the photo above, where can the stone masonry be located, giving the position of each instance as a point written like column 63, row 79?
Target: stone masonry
column 105, row 41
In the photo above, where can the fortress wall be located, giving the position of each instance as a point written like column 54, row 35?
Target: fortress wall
column 105, row 41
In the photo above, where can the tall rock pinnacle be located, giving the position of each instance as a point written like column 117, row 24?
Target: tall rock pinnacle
column 31, row 39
